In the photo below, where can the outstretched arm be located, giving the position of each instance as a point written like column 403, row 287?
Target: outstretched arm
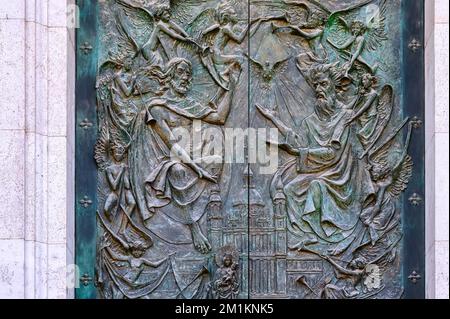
column 271, row 117
column 212, row 28
column 220, row 116
column 238, row 38
column 341, row 269
column 309, row 35
column 174, row 33
column 284, row 130
column 365, row 107
column 162, row 128
column 359, row 49
column 178, row 29
column 348, row 43
column 152, row 264
column 163, row 27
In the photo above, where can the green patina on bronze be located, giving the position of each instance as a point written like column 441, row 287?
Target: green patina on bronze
column 341, row 217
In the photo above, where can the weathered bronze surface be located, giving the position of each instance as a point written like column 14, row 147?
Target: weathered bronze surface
column 326, row 224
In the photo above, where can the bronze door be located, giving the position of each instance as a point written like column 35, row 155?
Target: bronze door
column 267, row 149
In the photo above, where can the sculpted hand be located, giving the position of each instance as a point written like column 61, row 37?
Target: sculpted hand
column 267, row 113
column 203, row 174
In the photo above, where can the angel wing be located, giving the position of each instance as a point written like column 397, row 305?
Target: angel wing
column 401, row 177
column 402, row 172
column 101, row 150
column 338, row 28
column 137, row 22
column 298, row 13
column 281, row 64
column 380, row 154
column 183, row 11
column 202, row 22
column 385, row 107
column 103, row 89
column 376, row 28
column 126, row 43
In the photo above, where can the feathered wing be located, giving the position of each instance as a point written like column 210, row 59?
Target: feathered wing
column 376, row 28
column 380, row 155
column 137, row 22
column 402, row 172
column 281, row 65
column 183, row 11
column 401, row 177
column 338, row 27
column 203, row 21
column 385, row 107
column 101, row 150
column 298, row 13
column 126, row 43
column 104, row 99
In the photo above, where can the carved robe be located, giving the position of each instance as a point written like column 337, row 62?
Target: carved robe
column 166, row 180
column 328, row 193
column 169, row 194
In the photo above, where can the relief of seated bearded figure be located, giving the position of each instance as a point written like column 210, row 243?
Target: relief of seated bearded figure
column 326, row 185
column 170, row 185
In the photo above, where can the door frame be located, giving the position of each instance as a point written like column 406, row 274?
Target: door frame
column 413, row 79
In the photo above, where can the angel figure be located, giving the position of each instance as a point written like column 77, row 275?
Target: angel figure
column 391, row 181
column 372, row 111
column 164, row 25
column 216, row 28
column 121, row 270
column 360, row 37
column 154, row 28
column 112, row 158
column 312, row 30
column 136, row 259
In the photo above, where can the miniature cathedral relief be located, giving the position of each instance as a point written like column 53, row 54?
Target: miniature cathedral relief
column 327, row 223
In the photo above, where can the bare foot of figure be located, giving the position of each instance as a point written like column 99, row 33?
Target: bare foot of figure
column 201, row 243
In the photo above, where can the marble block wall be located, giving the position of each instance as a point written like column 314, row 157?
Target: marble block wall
column 441, row 248
column 37, row 84
column 36, row 103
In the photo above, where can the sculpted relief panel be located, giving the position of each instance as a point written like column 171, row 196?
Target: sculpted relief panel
column 179, row 218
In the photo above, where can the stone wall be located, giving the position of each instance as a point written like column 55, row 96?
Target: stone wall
column 36, row 103
column 37, row 153
column 441, row 248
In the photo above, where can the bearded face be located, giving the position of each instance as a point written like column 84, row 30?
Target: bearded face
column 182, row 78
column 325, row 95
